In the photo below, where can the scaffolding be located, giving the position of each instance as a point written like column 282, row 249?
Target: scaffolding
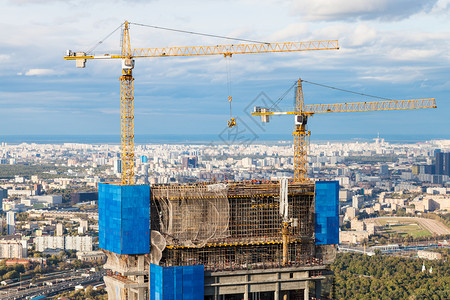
column 233, row 226
column 243, row 257
column 192, row 215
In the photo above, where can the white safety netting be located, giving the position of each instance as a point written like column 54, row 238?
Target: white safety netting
column 158, row 245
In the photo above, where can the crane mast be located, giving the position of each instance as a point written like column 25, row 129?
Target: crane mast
column 126, row 79
column 127, row 111
column 301, row 136
column 302, row 112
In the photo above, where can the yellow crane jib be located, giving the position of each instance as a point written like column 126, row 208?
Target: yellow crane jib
column 128, row 54
column 226, row 50
column 302, row 112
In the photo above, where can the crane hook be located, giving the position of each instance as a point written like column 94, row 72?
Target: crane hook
column 232, row 121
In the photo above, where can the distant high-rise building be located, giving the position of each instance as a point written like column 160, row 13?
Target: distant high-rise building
column 117, row 166
column 247, row 162
column 84, row 224
column 423, row 169
column 50, row 200
column 3, row 195
column 427, row 169
column 59, row 229
column 144, row 159
column 351, row 212
column 83, row 197
column 43, row 243
column 37, row 189
column 78, row 243
column 190, row 162
column 357, row 201
column 81, row 230
column 13, row 248
column 442, row 163
column 439, row 162
column 11, row 222
column 436, row 179
column 384, row 170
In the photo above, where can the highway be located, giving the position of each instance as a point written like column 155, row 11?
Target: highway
column 53, row 289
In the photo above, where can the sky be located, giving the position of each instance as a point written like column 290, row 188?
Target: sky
column 391, row 49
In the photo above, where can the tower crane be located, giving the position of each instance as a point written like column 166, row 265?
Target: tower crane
column 126, row 80
column 302, row 112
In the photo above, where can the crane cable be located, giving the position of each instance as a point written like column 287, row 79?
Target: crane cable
column 282, row 96
column 199, row 33
column 322, row 85
column 227, row 62
column 101, row 41
column 347, row 91
column 175, row 30
column 232, row 121
column 228, row 71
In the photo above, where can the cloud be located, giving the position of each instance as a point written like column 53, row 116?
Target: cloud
column 19, row 2
column 362, row 35
column 4, row 58
column 334, row 10
column 394, row 74
column 39, row 72
column 413, row 54
column 291, row 32
column 109, row 111
column 442, row 6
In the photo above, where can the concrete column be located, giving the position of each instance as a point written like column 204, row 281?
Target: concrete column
column 247, row 278
column 216, row 289
column 306, row 291
column 140, row 278
column 246, row 292
column 140, row 294
column 318, row 289
column 277, row 291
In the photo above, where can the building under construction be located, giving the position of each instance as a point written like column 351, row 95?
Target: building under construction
column 230, row 241
column 261, row 240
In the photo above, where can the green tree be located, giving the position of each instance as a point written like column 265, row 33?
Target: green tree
column 19, row 268
column 11, row 275
column 3, row 270
column 89, row 292
column 387, row 277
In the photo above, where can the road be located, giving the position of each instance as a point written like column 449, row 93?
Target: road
column 55, row 288
column 45, row 278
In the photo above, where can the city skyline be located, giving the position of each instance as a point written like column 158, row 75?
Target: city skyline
column 392, row 50
column 393, row 198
